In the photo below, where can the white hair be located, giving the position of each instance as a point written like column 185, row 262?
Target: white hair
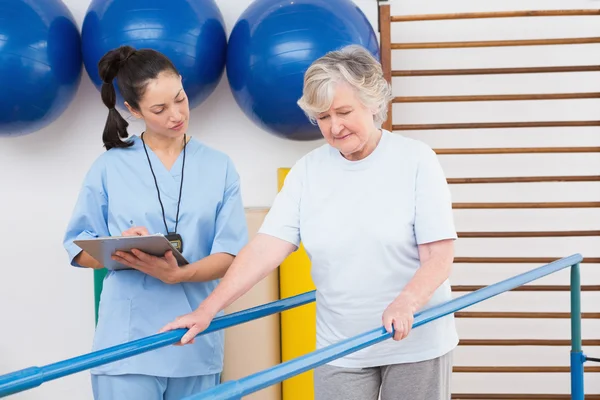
column 353, row 65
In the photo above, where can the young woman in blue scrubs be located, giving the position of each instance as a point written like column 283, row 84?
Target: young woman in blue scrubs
column 160, row 182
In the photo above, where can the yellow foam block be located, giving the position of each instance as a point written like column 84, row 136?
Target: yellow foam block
column 298, row 326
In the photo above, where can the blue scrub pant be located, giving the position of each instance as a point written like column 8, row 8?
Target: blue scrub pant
column 145, row 387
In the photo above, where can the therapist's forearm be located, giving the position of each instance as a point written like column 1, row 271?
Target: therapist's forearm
column 209, row 268
column 435, row 269
column 261, row 256
column 85, row 260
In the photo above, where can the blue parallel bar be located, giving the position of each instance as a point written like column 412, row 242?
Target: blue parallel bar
column 252, row 383
column 577, row 356
column 31, row 377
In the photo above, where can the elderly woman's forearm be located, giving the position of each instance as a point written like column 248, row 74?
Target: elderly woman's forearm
column 209, row 268
column 254, row 262
column 435, row 269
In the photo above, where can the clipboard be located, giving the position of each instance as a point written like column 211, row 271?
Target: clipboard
column 103, row 248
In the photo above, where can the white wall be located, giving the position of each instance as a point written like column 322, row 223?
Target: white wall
column 46, row 308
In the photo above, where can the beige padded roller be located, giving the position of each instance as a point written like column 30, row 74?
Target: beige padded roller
column 254, row 346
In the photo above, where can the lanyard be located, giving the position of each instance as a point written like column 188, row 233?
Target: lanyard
column 176, row 239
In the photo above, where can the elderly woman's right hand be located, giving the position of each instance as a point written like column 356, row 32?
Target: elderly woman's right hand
column 196, row 322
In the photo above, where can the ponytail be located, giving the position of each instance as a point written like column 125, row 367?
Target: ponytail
column 116, row 126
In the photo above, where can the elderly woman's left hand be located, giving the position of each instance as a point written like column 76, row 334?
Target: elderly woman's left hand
column 164, row 268
column 400, row 314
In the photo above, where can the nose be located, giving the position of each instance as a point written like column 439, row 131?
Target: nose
column 336, row 126
column 176, row 114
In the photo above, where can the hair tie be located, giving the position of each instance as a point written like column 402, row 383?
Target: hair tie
column 128, row 57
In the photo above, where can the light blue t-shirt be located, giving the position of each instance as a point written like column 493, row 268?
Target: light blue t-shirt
column 119, row 192
column 361, row 223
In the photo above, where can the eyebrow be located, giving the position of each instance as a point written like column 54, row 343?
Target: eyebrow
column 162, row 105
column 336, row 109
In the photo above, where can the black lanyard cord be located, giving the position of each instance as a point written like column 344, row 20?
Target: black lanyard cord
column 156, row 184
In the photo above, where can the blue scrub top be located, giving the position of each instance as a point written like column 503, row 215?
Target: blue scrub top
column 118, row 193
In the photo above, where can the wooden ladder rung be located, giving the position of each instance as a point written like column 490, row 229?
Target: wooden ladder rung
column 525, row 179
column 530, row 288
column 518, row 369
column 495, row 71
column 517, row 150
column 572, row 204
column 516, row 396
column 521, row 315
column 528, row 234
column 493, row 14
column 516, row 260
column 525, row 342
column 494, row 43
column 496, row 97
column 494, row 125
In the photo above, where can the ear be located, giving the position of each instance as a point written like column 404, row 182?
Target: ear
column 133, row 111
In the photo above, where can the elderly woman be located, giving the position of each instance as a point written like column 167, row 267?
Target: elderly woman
column 374, row 213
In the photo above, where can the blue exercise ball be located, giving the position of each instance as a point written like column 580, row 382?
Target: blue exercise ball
column 190, row 32
column 272, row 45
column 40, row 64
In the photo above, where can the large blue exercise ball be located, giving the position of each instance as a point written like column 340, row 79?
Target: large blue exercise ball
column 272, row 45
column 191, row 33
column 40, row 64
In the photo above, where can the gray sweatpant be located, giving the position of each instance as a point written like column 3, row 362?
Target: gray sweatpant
column 425, row 380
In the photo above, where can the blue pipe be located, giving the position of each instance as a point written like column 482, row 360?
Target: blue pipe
column 31, row 377
column 252, row 383
column 577, row 356
column 577, row 387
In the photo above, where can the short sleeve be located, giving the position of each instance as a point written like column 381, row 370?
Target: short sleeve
column 434, row 220
column 283, row 219
column 231, row 231
column 89, row 217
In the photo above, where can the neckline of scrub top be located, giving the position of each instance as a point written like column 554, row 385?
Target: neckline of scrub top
column 175, row 170
column 168, row 180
